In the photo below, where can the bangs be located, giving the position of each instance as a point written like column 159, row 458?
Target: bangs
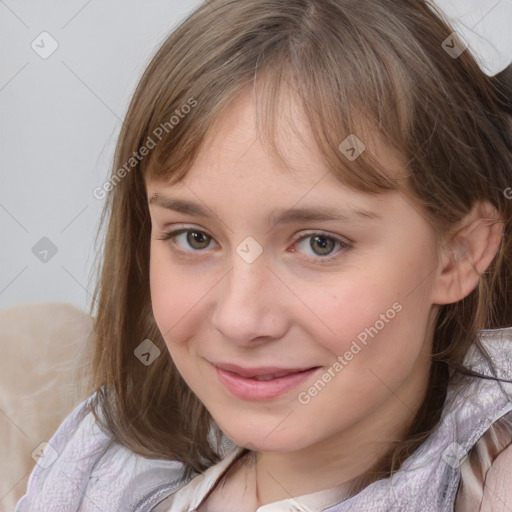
column 355, row 96
column 353, row 141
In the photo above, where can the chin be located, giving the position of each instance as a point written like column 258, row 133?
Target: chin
column 266, row 438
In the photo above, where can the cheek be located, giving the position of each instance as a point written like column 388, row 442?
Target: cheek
column 179, row 301
column 377, row 312
column 172, row 297
column 341, row 309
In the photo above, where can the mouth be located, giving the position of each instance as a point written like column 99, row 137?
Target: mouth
column 262, row 383
column 262, row 372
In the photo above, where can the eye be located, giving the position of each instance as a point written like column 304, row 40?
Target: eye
column 194, row 238
column 322, row 246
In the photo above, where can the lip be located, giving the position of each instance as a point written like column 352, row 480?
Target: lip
column 260, row 370
column 237, row 380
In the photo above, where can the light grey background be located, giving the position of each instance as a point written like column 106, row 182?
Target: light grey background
column 60, row 116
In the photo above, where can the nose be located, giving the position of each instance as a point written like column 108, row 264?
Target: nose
column 249, row 307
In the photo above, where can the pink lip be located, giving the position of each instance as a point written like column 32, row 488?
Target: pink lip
column 260, row 370
column 238, row 380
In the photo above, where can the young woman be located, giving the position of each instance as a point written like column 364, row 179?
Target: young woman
column 306, row 292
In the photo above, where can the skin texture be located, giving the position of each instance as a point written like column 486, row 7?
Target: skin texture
column 287, row 309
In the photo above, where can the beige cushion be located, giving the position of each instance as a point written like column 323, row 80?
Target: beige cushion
column 43, row 347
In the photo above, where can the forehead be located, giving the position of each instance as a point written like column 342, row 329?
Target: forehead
column 237, row 143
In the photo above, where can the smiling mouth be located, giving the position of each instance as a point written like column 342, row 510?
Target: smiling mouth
column 276, row 375
column 261, row 383
column 262, row 372
column 267, row 377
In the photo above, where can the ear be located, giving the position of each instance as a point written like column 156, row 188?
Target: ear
column 467, row 252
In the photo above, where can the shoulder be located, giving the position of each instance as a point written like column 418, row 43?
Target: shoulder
column 81, row 463
column 486, row 471
column 497, row 493
column 66, row 462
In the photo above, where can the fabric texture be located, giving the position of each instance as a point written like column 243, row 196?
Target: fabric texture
column 92, row 473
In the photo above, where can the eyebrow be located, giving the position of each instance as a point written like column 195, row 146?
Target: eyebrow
column 276, row 216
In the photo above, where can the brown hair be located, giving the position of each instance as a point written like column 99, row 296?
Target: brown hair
column 345, row 60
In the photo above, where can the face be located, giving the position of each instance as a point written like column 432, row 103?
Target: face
column 329, row 312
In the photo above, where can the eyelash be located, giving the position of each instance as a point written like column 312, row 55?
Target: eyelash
column 318, row 260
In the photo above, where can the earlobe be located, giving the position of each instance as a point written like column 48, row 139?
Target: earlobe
column 467, row 252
